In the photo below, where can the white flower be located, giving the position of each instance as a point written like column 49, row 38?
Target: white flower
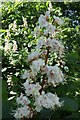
column 23, row 100
column 47, row 14
column 36, row 65
column 55, row 75
column 49, row 29
column 54, row 99
column 49, row 101
column 49, row 42
column 38, row 103
column 7, row 45
column 58, row 20
column 61, row 49
column 25, row 75
column 41, row 42
column 22, row 112
column 43, row 54
column 32, row 89
column 54, row 45
column 45, row 32
column 35, row 98
column 33, row 55
column 8, row 33
column 25, row 22
column 14, row 46
column 26, row 83
column 14, row 26
column 42, row 21
column 36, row 31
column 10, row 26
column 57, row 47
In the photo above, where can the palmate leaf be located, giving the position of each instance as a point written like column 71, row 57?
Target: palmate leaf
column 6, row 105
column 73, row 116
column 6, row 110
column 4, row 90
column 44, row 114
column 2, row 30
column 69, row 104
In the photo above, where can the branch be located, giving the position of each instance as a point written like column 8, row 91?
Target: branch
column 46, row 59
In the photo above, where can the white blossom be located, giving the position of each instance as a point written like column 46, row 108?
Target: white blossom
column 48, row 101
column 36, row 97
column 23, row 100
column 36, row 31
column 10, row 26
column 41, row 42
column 25, row 75
column 55, row 46
column 36, row 65
column 22, row 112
column 25, row 22
column 7, row 45
column 47, row 14
column 55, row 75
column 14, row 46
column 33, row 55
column 14, row 26
column 38, row 103
column 42, row 21
column 49, row 29
column 8, row 33
column 32, row 89
column 54, row 99
column 48, row 42
column 45, row 32
column 58, row 20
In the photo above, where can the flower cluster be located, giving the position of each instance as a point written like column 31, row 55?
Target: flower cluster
column 40, row 73
column 48, row 101
column 32, row 89
column 24, row 110
column 54, row 74
column 9, row 46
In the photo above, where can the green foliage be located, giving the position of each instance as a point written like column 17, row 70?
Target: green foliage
column 6, row 105
column 70, row 91
column 69, row 104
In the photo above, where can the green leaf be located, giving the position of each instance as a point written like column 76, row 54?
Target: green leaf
column 45, row 113
column 4, row 90
column 73, row 116
column 69, row 104
column 2, row 30
column 6, row 110
column 14, row 79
